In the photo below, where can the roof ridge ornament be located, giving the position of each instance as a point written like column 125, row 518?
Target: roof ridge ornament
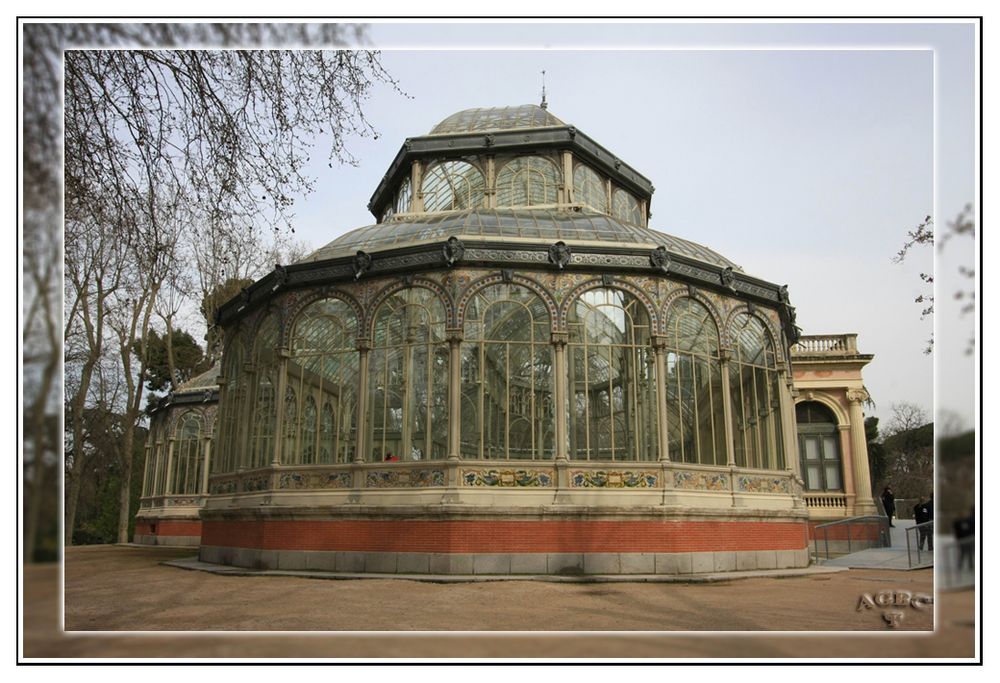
column 544, row 104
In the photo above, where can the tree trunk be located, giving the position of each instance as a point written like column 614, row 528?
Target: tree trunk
column 171, row 363
column 72, row 496
column 125, row 490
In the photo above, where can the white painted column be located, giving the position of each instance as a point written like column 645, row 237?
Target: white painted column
column 725, row 356
column 863, row 504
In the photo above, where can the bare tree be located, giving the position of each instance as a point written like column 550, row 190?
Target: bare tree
column 168, row 148
column 923, row 234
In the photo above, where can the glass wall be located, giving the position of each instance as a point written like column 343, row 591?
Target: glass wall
column 695, row 412
column 754, row 386
column 321, row 408
column 408, row 378
column 233, row 408
column 507, row 404
column 589, row 188
column 260, row 450
column 626, row 208
column 527, row 181
column 612, row 378
column 453, row 185
column 188, row 454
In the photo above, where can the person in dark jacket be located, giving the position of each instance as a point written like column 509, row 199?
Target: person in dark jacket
column 965, row 534
column 924, row 512
column 889, row 503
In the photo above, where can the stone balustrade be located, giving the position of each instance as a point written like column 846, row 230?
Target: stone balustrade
column 826, row 345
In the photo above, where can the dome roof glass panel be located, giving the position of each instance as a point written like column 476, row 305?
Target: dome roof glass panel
column 524, row 225
column 496, row 118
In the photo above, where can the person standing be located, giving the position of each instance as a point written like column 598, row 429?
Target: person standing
column 965, row 532
column 889, row 503
column 924, row 512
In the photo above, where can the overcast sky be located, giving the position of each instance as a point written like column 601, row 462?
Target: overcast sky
column 805, row 165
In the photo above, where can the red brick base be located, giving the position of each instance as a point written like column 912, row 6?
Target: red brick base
column 168, row 527
column 501, row 536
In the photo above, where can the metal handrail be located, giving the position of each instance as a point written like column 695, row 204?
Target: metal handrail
column 883, row 539
column 926, row 532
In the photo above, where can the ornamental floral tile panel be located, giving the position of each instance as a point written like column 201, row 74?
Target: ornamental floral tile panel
column 508, row 478
column 224, row 486
column 702, row 481
column 183, row 501
column 259, row 483
column 762, row 484
column 387, row 479
column 315, row 480
column 614, row 479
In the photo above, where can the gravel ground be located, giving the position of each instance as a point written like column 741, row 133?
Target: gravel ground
column 118, row 588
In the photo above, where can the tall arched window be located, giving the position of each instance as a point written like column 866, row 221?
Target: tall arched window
column 612, row 378
column 527, row 181
column 323, row 368
column 625, row 207
column 453, row 185
column 695, row 414
column 232, row 408
column 187, row 466
column 507, row 405
column 289, row 453
column 754, row 387
column 265, row 364
column 403, row 196
column 819, row 447
column 589, row 188
column 307, row 433
column 408, row 378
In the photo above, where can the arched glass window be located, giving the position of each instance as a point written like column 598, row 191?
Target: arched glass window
column 265, row 364
column 527, row 181
column 403, row 196
column 754, row 387
column 233, row 408
column 819, row 447
column 307, row 434
column 453, row 185
column 323, row 368
column 507, row 404
column 327, row 432
column 289, row 452
column 187, row 465
column 695, row 415
column 612, row 378
column 589, row 188
column 408, row 378
column 626, row 208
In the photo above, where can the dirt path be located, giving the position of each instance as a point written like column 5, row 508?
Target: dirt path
column 125, row 588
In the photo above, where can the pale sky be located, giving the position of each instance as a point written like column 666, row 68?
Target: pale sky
column 805, row 165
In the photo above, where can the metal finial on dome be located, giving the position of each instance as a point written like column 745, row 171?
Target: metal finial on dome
column 544, row 104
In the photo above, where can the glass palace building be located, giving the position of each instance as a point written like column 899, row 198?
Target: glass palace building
column 509, row 372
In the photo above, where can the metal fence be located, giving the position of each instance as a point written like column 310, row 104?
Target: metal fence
column 917, row 537
column 850, row 535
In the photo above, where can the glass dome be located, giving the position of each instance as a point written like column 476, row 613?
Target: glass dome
column 496, row 118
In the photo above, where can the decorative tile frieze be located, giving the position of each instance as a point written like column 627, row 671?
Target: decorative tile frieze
column 757, row 484
column 260, row 482
column 187, row 500
column 614, row 479
column 388, row 479
column 315, row 480
column 701, row 481
column 508, row 478
column 223, row 486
